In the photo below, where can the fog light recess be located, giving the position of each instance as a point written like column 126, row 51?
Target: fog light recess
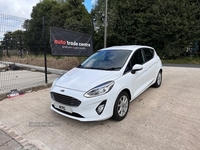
column 52, row 96
column 101, row 107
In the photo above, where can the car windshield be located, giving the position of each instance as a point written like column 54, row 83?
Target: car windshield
column 106, row 60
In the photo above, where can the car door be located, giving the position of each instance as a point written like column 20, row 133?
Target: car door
column 137, row 80
column 149, row 65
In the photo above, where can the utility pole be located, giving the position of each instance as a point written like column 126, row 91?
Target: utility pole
column 105, row 24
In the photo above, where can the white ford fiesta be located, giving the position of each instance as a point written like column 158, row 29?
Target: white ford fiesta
column 105, row 83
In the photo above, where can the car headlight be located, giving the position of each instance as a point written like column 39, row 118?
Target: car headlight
column 100, row 89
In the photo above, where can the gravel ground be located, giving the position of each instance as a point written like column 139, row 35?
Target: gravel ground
column 166, row 118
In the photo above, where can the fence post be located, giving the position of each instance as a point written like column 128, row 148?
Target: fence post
column 6, row 46
column 44, row 42
column 34, row 44
column 20, row 45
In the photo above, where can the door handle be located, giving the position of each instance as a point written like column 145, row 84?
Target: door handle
column 146, row 68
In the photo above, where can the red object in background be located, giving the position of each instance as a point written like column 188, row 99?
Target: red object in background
column 14, row 93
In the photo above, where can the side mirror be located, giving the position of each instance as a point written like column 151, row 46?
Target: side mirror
column 136, row 67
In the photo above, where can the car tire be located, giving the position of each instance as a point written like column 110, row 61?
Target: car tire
column 158, row 80
column 121, row 106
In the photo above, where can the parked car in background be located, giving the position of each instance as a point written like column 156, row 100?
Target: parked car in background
column 105, row 83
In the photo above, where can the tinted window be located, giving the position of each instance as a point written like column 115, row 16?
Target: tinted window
column 137, row 58
column 149, row 53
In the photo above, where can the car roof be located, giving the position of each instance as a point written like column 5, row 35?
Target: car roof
column 126, row 47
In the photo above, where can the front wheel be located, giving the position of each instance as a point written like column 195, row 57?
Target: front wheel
column 158, row 80
column 121, row 106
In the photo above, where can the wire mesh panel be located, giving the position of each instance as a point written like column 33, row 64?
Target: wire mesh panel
column 11, row 29
column 22, row 79
column 13, row 52
column 10, row 23
column 22, row 46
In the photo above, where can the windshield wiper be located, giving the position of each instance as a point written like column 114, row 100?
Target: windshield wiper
column 91, row 68
column 113, row 68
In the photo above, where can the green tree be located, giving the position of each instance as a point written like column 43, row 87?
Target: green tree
column 11, row 40
column 167, row 25
column 26, row 24
column 98, row 15
column 176, row 25
column 70, row 14
column 59, row 15
column 35, row 31
column 78, row 19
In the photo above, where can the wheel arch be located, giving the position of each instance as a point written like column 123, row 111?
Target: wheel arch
column 125, row 90
column 128, row 92
column 116, row 116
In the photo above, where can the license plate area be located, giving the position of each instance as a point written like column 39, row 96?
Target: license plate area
column 63, row 107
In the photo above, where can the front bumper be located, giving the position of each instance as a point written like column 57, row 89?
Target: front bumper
column 86, row 110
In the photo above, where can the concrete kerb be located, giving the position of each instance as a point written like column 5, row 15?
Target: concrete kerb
column 27, row 90
column 2, row 66
column 34, row 68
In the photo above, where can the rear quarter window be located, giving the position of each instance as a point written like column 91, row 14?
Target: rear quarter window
column 149, row 54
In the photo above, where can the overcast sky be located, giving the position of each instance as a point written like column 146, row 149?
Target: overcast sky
column 23, row 8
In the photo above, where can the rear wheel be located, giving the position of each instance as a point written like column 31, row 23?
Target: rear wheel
column 121, row 106
column 158, row 80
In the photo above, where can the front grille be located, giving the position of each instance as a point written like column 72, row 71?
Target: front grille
column 64, row 99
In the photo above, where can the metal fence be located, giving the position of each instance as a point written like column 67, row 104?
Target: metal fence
column 10, row 23
column 13, row 74
column 9, row 37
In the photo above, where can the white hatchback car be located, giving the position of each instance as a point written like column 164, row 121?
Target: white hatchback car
column 104, row 84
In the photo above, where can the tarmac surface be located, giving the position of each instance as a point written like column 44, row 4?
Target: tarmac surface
column 165, row 118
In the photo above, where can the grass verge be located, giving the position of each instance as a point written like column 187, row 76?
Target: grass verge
column 64, row 63
column 185, row 60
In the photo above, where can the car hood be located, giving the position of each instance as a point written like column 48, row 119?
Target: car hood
column 85, row 79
